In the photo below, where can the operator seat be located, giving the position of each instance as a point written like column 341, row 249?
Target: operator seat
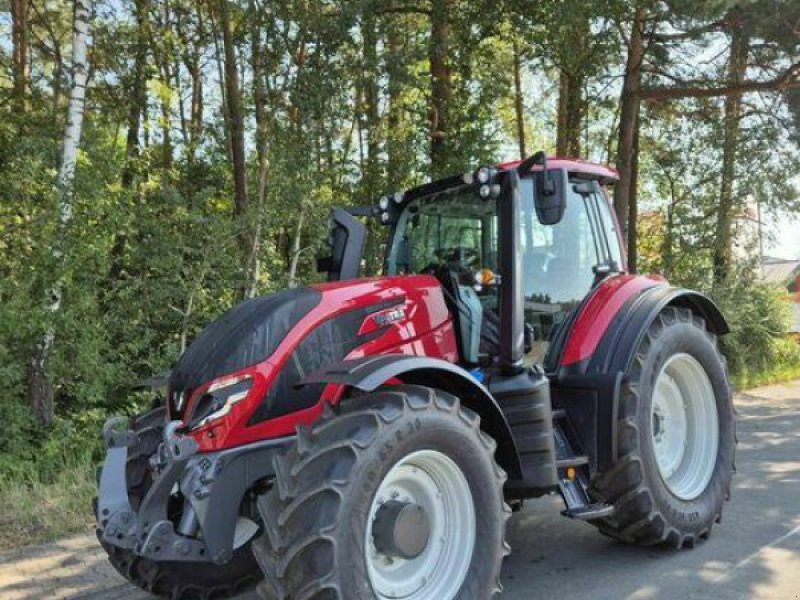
column 466, row 310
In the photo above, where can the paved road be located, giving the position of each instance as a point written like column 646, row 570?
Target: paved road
column 753, row 555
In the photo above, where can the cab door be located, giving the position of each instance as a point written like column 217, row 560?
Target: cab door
column 563, row 262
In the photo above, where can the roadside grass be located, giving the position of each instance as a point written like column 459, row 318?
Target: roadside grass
column 779, row 374
column 782, row 365
column 34, row 512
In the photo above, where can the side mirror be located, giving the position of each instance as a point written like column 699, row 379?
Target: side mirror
column 550, row 195
column 347, row 245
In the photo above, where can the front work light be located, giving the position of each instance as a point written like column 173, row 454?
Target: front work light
column 219, row 398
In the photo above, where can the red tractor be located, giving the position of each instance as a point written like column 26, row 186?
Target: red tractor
column 369, row 438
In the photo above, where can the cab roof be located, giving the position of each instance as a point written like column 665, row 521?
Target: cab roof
column 604, row 174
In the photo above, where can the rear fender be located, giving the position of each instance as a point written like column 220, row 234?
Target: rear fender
column 368, row 374
column 619, row 343
column 590, row 389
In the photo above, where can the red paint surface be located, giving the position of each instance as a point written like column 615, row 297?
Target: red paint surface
column 599, row 310
column 581, row 167
column 425, row 330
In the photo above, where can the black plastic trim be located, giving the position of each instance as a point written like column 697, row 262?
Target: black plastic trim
column 619, row 343
column 331, row 341
column 347, row 247
column 512, row 321
column 368, row 374
column 591, row 402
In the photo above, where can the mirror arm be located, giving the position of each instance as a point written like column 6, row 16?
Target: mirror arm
column 540, row 158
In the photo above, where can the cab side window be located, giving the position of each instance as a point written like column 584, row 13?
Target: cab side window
column 558, row 264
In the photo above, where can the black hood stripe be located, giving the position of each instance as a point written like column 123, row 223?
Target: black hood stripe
column 244, row 336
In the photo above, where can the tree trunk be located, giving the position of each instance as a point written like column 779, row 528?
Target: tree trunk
column 633, row 206
column 235, row 123
column 40, row 388
column 395, row 134
column 192, row 64
column 737, row 67
column 629, row 117
column 262, row 150
column 668, row 242
column 519, row 106
column 296, row 249
column 561, row 115
column 371, row 97
column 138, row 93
column 373, row 175
column 138, row 105
column 570, row 114
column 20, row 27
column 441, row 86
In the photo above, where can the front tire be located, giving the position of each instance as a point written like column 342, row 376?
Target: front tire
column 394, row 494
column 676, row 438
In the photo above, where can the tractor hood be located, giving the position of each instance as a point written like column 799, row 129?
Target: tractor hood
column 252, row 357
column 245, row 335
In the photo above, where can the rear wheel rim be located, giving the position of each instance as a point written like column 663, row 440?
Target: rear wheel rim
column 434, row 482
column 685, row 426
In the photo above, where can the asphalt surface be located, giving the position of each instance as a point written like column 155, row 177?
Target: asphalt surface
column 753, row 555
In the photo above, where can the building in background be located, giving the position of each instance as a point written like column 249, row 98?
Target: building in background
column 785, row 273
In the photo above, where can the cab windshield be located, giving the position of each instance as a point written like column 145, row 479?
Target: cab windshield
column 454, row 230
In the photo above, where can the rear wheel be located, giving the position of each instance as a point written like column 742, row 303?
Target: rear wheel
column 174, row 580
column 676, row 438
column 393, row 495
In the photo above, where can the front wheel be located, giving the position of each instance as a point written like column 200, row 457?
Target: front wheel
column 675, row 437
column 394, row 495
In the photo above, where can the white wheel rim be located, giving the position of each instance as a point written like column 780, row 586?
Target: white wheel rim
column 434, row 482
column 684, row 426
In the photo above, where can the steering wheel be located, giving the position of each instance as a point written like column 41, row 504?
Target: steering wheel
column 460, row 257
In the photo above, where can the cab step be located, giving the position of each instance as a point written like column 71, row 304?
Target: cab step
column 589, row 512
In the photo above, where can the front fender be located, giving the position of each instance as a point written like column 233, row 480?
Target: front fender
column 368, row 374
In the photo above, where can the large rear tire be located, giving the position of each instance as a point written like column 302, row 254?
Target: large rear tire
column 395, row 494
column 676, row 438
column 174, row 580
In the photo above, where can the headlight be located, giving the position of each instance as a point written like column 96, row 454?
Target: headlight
column 219, row 398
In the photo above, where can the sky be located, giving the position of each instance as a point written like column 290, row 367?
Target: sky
column 785, row 228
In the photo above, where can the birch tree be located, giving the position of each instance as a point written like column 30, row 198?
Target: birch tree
column 41, row 390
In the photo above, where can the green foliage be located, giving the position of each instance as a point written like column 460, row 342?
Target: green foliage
column 759, row 315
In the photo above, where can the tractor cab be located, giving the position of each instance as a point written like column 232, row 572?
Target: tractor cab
column 498, row 234
column 455, row 235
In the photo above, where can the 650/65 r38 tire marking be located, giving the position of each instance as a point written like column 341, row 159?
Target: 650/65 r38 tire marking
column 374, row 462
